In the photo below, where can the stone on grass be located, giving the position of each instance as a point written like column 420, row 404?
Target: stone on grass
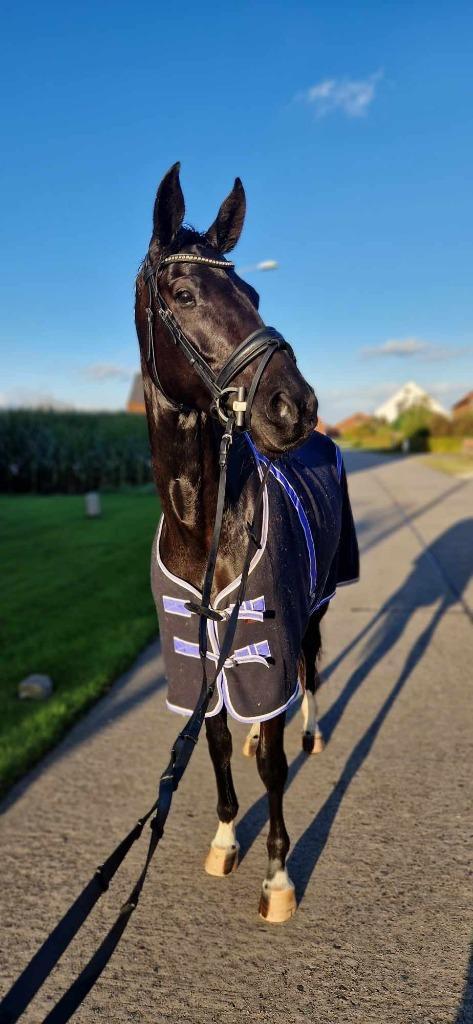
column 35, row 687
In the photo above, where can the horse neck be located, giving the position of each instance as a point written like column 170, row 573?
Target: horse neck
column 185, row 450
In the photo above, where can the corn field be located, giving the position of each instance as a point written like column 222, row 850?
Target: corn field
column 46, row 452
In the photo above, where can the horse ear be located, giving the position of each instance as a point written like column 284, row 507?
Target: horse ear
column 226, row 229
column 168, row 213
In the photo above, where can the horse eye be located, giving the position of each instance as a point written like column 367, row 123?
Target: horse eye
column 184, row 298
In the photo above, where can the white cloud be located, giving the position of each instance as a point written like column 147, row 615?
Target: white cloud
column 406, row 348
column 352, row 96
column 106, row 371
column 396, row 347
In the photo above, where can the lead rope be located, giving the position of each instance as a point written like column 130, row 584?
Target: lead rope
column 40, row 966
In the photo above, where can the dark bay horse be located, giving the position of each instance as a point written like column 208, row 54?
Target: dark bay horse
column 215, row 308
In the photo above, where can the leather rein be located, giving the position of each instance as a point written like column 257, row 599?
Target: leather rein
column 233, row 412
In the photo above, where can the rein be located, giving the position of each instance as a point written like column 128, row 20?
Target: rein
column 263, row 342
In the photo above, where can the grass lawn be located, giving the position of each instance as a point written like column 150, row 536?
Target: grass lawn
column 75, row 604
column 453, row 463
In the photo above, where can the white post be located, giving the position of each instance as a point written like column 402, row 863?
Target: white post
column 93, row 507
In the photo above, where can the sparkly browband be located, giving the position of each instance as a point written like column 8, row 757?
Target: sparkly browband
column 190, row 257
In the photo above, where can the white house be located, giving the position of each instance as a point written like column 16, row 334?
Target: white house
column 410, row 394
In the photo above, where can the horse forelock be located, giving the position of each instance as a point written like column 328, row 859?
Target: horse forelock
column 186, row 237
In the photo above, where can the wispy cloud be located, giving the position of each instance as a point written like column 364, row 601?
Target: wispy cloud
column 407, row 348
column 106, row 371
column 29, row 398
column 352, row 96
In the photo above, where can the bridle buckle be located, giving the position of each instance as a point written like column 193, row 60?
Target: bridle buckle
column 225, row 443
column 239, row 407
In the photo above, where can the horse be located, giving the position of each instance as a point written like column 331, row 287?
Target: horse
column 189, row 294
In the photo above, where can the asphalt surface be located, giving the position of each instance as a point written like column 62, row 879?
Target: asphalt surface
column 380, row 824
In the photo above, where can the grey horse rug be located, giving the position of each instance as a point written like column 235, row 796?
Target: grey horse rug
column 308, row 548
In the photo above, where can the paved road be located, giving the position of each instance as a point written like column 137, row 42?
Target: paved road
column 381, row 824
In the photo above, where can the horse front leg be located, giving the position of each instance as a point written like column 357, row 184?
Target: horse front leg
column 222, row 857
column 278, row 900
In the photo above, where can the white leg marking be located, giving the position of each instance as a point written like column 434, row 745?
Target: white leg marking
column 309, row 712
column 279, row 881
column 222, row 857
column 252, row 740
column 225, row 837
column 312, row 739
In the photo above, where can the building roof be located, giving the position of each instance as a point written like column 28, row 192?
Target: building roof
column 352, row 421
column 464, row 403
column 410, row 394
column 136, row 398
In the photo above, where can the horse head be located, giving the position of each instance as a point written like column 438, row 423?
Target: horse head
column 216, row 311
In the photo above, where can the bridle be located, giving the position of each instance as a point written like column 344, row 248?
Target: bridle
column 262, row 343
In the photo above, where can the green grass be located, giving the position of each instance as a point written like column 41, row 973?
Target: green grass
column 75, row 604
column 458, row 464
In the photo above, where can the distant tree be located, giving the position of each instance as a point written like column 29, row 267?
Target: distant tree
column 416, row 417
column 441, row 426
column 462, row 425
column 415, row 423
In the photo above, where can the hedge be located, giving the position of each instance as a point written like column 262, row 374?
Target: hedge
column 445, row 444
column 48, row 452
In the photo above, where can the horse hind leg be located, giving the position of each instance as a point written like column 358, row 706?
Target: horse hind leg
column 312, row 738
column 251, row 742
column 278, row 900
column 222, row 857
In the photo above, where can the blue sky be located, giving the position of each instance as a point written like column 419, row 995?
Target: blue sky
column 350, row 125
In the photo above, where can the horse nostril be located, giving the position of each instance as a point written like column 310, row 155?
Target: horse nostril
column 280, row 407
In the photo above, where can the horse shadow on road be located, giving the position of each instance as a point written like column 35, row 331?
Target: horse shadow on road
column 426, row 585
column 465, row 1010
column 432, row 580
column 378, row 525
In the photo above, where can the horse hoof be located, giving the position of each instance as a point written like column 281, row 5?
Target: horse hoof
column 319, row 743
column 277, row 905
column 313, row 744
column 219, row 861
column 250, row 745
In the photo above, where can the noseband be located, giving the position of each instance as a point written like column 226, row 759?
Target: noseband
column 261, row 343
